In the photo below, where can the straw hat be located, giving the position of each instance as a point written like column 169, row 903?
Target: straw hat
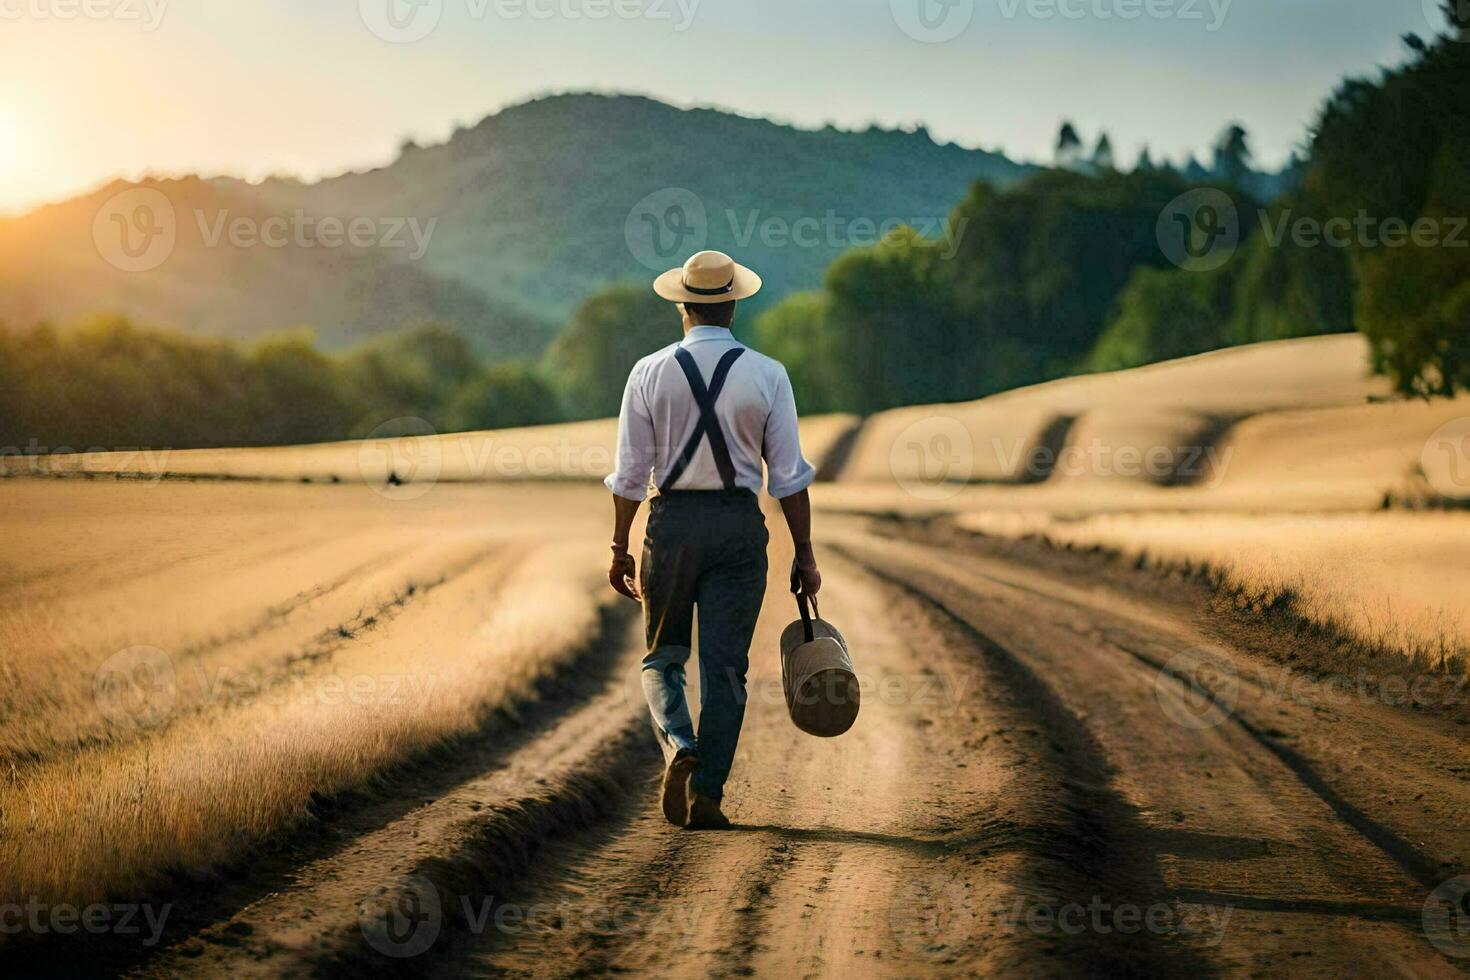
column 708, row 277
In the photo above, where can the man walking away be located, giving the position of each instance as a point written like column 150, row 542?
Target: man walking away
column 698, row 417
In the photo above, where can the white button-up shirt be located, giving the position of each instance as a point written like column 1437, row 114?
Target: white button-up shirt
column 756, row 410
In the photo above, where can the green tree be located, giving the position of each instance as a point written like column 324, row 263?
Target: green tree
column 1162, row 315
column 409, row 374
column 298, row 394
column 1038, row 269
column 1233, row 154
column 608, row 334
column 1284, row 290
column 106, row 383
column 800, row 334
column 1069, row 146
column 1399, row 149
column 901, row 336
column 506, row 396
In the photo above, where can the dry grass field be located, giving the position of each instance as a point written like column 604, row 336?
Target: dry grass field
column 1174, row 404
column 577, row 452
column 181, row 682
column 285, row 692
column 1297, row 473
column 1395, row 580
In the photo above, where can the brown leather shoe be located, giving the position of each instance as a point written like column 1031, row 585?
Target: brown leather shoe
column 675, row 792
column 705, row 814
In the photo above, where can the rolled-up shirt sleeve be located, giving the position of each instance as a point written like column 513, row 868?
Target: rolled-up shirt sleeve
column 787, row 471
column 635, row 445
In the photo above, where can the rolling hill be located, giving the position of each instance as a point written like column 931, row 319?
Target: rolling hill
column 500, row 231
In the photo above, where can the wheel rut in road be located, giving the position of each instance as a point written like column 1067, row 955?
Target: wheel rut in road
column 967, row 802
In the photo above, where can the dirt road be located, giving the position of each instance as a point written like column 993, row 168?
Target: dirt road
column 1025, row 793
column 1054, row 773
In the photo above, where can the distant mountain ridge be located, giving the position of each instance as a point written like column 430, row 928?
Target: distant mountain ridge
column 529, row 212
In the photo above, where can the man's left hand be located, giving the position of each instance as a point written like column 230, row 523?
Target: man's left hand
column 623, row 577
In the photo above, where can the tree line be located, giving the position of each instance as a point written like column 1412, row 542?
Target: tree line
column 1061, row 273
column 1067, row 273
column 108, row 383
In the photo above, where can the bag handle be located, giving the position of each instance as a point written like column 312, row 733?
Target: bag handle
column 801, row 604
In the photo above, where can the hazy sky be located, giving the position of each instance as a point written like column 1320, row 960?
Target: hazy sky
column 90, row 89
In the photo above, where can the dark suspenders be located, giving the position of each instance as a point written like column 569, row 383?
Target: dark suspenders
column 709, row 423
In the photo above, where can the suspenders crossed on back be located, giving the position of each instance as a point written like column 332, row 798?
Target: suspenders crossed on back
column 709, row 422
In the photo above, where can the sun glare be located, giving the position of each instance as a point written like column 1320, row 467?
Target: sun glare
column 19, row 178
column 11, row 190
column 9, row 141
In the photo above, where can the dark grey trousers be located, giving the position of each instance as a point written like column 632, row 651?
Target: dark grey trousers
column 704, row 549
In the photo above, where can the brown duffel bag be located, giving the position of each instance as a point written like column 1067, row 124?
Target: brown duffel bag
column 822, row 690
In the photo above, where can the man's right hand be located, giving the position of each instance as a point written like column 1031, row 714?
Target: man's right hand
column 798, row 511
column 623, row 576
column 806, row 571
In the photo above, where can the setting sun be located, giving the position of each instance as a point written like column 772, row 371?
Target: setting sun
column 9, row 143
column 22, row 163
